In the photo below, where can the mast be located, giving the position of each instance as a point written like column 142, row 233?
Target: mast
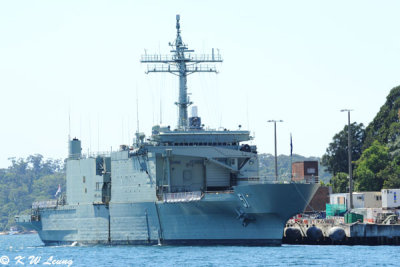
column 181, row 63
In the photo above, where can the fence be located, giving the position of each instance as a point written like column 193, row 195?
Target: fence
column 44, row 204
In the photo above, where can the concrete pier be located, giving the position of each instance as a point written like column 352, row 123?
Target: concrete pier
column 355, row 234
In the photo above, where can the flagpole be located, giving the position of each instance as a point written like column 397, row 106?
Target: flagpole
column 291, row 156
column 276, row 153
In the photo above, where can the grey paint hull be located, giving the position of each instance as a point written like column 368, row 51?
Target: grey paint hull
column 129, row 182
column 217, row 219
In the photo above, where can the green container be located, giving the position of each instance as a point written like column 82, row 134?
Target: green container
column 335, row 209
column 353, row 217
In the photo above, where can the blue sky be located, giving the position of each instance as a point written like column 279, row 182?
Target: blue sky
column 299, row 61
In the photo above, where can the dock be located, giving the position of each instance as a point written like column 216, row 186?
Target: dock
column 332, row 232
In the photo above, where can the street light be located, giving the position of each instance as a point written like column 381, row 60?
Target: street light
column 349, row 153
column 276, row 156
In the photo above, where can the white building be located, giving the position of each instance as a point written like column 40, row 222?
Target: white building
column 390, row 198
column 360, row 199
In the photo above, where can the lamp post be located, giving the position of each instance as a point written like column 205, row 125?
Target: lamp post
column 349, row 156
column 276, row 156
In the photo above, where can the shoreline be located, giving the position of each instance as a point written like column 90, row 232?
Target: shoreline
column 19, row 233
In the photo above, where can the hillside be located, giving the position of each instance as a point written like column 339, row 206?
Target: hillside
column 25, row 181
column 375, row 151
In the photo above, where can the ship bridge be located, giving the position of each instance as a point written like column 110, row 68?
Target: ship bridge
column 192, row 158
column 200, row 137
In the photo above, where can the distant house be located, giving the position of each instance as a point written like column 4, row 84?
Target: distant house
column 305, row 171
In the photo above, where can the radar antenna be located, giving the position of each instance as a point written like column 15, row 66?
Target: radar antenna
column 181, row 63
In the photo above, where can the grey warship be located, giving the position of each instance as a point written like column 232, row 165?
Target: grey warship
column 184, row 186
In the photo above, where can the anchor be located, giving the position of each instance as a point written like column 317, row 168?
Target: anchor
column 244, row 217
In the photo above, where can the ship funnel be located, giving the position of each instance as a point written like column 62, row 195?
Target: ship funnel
column 74, row 149
column 194, row 111
column 195, row 120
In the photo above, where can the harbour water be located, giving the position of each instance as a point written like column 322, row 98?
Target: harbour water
column 27, row 248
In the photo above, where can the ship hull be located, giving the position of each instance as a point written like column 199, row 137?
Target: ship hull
column 252, row 215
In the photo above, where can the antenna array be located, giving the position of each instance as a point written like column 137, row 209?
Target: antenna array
column 181, row 63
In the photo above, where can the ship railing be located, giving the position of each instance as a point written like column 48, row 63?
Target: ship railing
column 169, row 59
column 271, row 180
column 307, row 180
column 206, row 57
column 156, row 58
column 74, row 155
column 286, row 179
column 25, row 218
column 44, row 204
column 200, row 68
column 182, row 197
column 310, row 179
column 220, row 192
column 96, row 154
column 172, row 68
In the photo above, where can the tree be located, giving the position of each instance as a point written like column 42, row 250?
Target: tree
column 46, row 186
column 386, row 125
column 336, row 157
column 369, row 173
column 25, row 181
column 391, row 174
column 36, row 161
column 340, row 182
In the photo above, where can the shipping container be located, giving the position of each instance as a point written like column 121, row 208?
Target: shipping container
column 360, row 199
column 390, row 198
column 353, row 217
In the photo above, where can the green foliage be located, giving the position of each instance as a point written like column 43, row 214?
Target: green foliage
column 46, row 185
column 391, row 174
column 386, row 126
column 378, row 166
column 369, row 172
column 340, row 182
column 25, row 181
column 336, row 157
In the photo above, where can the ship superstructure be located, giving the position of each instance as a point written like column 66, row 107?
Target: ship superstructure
column 188, row 185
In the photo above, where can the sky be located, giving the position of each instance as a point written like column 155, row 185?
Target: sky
column 73, row 68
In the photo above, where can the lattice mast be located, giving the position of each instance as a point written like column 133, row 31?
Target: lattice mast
column 181, row 63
